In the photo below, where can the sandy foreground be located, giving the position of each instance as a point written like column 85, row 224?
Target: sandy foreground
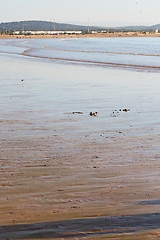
column 59, row 180
column 94, row 35
column 87, row 188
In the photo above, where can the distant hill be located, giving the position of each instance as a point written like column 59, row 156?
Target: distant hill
column 35, row 25
column 43, row 26
column 139, row 28
column 157, row 26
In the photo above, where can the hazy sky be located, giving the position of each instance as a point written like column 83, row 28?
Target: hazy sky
column 99, row 12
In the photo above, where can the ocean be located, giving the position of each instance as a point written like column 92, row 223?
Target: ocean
column 53, row 87
column 136, row 53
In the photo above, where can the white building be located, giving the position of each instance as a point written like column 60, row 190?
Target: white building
column 46, row 32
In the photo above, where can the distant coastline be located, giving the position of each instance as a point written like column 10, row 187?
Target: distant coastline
column 92, row 35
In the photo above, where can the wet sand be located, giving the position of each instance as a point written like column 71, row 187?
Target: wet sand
column 76, row 176
column 87, row 181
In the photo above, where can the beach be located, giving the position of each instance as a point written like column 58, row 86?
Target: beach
column 65, row 174
column 88, row 35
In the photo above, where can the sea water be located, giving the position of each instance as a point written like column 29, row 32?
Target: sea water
column 36, row 86
column 119, row 52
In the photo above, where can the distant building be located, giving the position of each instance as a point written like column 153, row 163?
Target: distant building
column 46, row 32
column 157, row 30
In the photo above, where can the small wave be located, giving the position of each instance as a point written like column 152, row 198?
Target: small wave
column 97, row 63
column 103, row 58
column 103, row 52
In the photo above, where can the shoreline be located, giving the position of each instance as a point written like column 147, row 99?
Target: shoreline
column 93, row 35
column 67, row 175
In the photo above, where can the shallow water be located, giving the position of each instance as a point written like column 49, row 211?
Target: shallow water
column 141, row 53
column 52, row 91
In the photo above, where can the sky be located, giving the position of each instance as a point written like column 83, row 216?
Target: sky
column 97, row 12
